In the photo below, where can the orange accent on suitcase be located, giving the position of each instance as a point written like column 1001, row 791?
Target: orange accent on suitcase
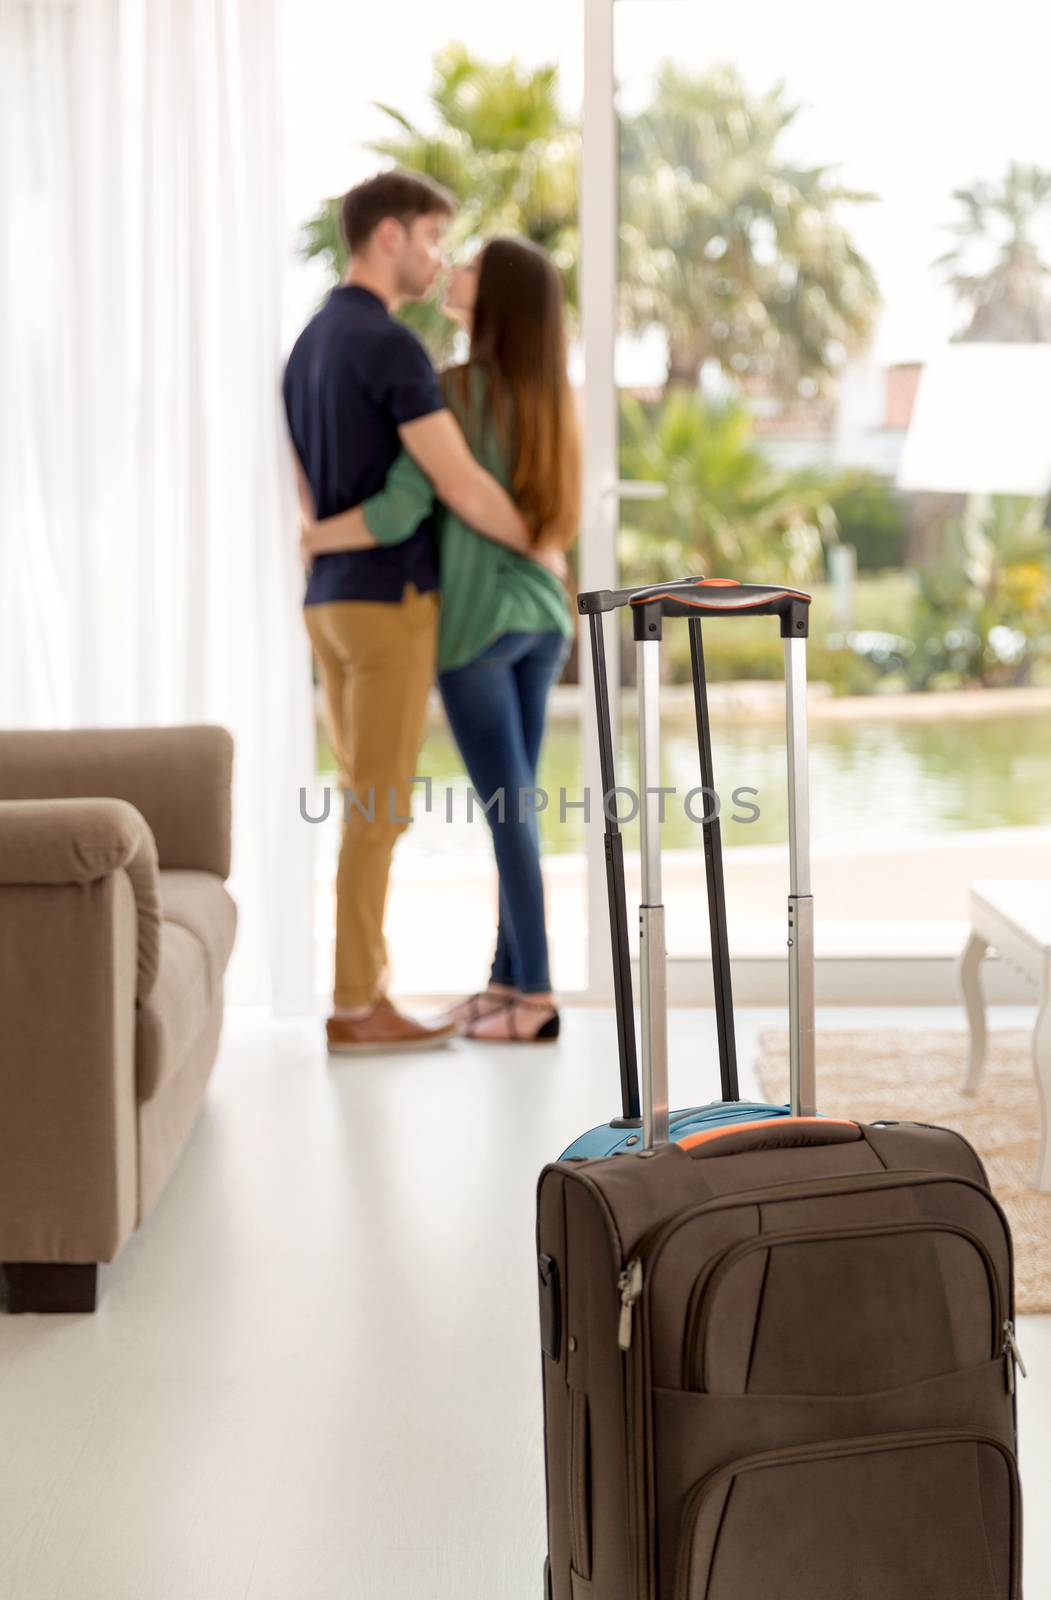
column 693, row 1139
column 742, row 605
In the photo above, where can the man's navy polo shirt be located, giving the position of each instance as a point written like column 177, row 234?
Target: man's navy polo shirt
column 354, row 377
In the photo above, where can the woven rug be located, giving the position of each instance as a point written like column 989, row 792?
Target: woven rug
column 905, row 1077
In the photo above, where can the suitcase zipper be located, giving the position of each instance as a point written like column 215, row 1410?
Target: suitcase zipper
column 1012, row 1357
column 827, row 1452
column 701, row 1300
column 630, row 1286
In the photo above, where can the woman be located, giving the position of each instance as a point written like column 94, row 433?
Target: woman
column 504, row 626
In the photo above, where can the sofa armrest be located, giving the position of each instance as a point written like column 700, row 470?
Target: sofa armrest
column 77, row 842
column 178, row 778
column 69, row 1144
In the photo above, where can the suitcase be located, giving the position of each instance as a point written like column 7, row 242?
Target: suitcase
column 779, row 1359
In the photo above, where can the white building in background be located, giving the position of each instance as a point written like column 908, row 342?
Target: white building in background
column 864, row 426
column 981, row 422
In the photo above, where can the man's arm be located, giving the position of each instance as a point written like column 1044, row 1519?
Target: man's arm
column 436, row 443
column 410, row 393
column 434, row 440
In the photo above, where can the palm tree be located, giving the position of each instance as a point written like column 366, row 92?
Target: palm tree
column 734, row 250
column 503, row 147
column 727, row 509
column 1008, row 300
column 998, row 274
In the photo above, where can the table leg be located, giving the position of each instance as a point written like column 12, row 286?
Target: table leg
column 1042, row 1068
column 971, row 984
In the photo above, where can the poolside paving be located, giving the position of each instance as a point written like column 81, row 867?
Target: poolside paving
column 441, row 911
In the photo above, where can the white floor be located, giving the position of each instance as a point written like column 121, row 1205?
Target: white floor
column 315, row 1375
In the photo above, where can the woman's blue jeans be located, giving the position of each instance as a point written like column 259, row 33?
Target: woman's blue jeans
column 496, row 706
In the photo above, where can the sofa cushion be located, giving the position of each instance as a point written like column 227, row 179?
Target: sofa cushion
column 198, row 924
column 198, row 902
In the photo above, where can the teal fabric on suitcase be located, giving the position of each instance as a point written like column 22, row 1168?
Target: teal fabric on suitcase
column 610, row 1140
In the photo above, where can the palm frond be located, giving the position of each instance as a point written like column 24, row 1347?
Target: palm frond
column 397, row 116
column 1008, row 300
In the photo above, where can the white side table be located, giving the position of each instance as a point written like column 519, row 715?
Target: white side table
column 1014, row 917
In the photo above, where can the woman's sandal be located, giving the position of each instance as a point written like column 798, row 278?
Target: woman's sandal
column 546, row 1033
column 473, row 1008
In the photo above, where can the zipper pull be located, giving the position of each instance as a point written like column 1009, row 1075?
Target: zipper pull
column 1012, row 1356
column 630, row 1285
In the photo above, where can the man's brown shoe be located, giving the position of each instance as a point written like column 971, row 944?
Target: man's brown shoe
column 386, row 1030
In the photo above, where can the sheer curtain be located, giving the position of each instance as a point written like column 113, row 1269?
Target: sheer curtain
column 147, row 563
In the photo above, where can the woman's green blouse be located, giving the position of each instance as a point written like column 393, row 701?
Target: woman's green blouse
column 486, row 589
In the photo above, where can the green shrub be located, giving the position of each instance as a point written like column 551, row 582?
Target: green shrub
column 983, row 611
column 872, row 517
column 727, row 512
column 751, row 649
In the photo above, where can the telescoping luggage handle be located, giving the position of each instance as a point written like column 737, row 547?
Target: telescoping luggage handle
column 695, row 598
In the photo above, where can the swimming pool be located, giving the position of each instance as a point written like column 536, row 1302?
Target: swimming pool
column 870, row 777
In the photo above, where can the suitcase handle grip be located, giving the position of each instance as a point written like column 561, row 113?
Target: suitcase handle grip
column 728, row 598
column 592, row 602
column 772, row 1133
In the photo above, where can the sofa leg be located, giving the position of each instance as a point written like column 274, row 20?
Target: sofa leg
column 50, row 1286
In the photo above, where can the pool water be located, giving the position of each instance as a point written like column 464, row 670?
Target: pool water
column 869, row 779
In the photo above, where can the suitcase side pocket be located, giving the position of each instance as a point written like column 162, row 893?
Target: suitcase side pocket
column 580, row 1484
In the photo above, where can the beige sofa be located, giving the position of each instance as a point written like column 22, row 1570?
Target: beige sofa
column 115, row 932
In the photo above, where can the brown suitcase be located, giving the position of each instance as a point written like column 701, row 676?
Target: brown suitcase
column 778, row 1357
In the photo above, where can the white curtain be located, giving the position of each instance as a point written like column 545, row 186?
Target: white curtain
column 147, row 563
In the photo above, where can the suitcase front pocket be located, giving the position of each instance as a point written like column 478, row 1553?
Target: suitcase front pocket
column 894, row 1518
column 844, row 1311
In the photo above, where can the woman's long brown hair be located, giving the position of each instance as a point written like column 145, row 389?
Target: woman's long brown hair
column 519, row 339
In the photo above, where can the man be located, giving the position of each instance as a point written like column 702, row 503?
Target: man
column 358, row 386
